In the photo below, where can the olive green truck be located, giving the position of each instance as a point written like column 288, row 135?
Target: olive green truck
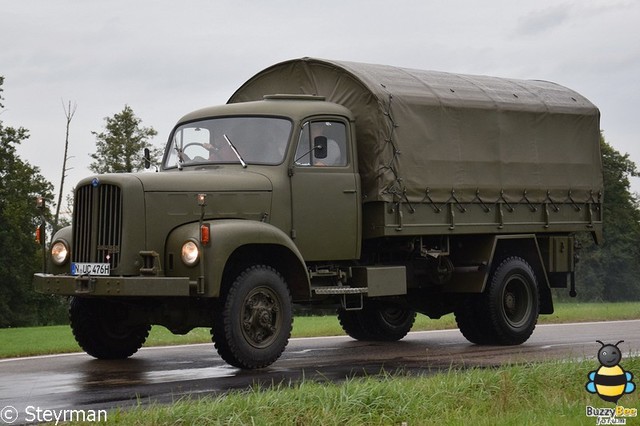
column 375, row 190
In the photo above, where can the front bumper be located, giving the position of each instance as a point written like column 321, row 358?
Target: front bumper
column 68, row 285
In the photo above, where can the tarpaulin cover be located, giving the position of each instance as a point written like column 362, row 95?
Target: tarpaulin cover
column 423, row 134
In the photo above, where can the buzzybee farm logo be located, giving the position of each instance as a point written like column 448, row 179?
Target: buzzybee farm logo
column 610, row 382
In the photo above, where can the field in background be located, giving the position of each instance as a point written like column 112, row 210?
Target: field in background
column 59, row 339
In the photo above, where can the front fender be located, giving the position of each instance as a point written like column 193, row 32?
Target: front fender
column 227, row 237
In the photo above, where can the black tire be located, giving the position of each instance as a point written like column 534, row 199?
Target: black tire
column 253, row 323
column 513, row 301
column 472, row 321
column 354, row 324
column 101, row 329
column 381, row 322
column 507, row 312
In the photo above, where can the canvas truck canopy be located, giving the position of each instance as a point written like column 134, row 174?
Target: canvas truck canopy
column 426, row 135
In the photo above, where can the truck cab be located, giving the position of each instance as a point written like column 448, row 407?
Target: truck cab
column 303, row 145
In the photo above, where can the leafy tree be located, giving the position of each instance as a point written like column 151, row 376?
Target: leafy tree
column 121, row 144
column 20, row 256
column 610, row 272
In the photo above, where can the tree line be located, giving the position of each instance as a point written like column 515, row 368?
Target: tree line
column 118, row 149
column 604, row 273
column 610, row 272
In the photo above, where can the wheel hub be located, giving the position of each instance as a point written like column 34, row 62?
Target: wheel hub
column 260, row 317
column 510, row 302
column 516, row 301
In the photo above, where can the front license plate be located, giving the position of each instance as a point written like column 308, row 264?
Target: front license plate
column 90, row 269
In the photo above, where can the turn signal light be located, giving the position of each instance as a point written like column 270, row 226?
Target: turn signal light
column 205, row 234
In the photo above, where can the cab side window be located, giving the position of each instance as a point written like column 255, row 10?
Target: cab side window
column 333, row 153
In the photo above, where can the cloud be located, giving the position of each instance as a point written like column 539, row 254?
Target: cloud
column 165, row 58
column 543, row 20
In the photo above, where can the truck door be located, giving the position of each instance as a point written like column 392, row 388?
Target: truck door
column 325, row 190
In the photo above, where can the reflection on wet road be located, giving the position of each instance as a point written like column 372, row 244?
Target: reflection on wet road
column 167, row 374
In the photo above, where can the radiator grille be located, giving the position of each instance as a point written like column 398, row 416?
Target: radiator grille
column 97, row 224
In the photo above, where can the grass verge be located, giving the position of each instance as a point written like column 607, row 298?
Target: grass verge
column 549, row 393
column 59, row 339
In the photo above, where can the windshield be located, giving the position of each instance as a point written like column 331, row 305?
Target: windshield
column 235, row 140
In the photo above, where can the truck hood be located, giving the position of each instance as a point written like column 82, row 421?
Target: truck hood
column 205, row 180
column 170, row 199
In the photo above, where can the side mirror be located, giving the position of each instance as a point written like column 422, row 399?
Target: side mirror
column 147, row 158
column 320, row 147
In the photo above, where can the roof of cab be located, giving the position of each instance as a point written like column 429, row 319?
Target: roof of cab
column 276, row 105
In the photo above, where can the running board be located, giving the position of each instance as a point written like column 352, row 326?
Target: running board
column 340, row 290
column 345, row 291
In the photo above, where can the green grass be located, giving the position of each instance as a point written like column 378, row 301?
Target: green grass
column 533, row 394
column 529, row 394
column 59, row 339
column 564, row 312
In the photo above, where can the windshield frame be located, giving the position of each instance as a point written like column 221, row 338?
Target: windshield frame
column 234, row 129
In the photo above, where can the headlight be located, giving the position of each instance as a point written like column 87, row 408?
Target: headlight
column 59, row 253
column 190, row 253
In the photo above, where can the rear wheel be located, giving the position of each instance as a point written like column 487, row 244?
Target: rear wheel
column 353, row 323
column 102, row 328
column 253, row 324
column 507, row 312
column 472, row 321
column 377, row 322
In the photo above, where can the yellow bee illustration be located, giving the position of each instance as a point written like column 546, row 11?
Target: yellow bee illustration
column 610, row 381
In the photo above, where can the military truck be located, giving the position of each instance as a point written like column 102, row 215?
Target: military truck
column 379, row 191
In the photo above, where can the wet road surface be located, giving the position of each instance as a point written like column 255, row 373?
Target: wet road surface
column 163, row 375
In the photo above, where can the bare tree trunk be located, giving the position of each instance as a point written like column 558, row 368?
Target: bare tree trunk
column 69, row 112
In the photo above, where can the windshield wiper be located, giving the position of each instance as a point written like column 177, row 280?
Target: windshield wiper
column 235, row 151
column 180, row 157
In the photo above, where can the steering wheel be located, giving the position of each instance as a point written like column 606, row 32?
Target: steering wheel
column 187, row 157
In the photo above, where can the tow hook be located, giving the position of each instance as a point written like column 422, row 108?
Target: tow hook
column 85, row 284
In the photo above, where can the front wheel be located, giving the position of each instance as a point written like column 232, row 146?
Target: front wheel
column 103, row 330
column 253, row 324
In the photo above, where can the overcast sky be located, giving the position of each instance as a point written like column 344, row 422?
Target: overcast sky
column 166, row 58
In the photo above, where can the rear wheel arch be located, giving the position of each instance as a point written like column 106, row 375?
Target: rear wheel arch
column 526, row 248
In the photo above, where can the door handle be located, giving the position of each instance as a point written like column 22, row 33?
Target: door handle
column 349, row 191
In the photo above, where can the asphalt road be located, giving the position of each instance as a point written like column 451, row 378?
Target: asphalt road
column 77, row 381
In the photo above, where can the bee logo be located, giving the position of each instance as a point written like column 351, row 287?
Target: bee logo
column 610, row 381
